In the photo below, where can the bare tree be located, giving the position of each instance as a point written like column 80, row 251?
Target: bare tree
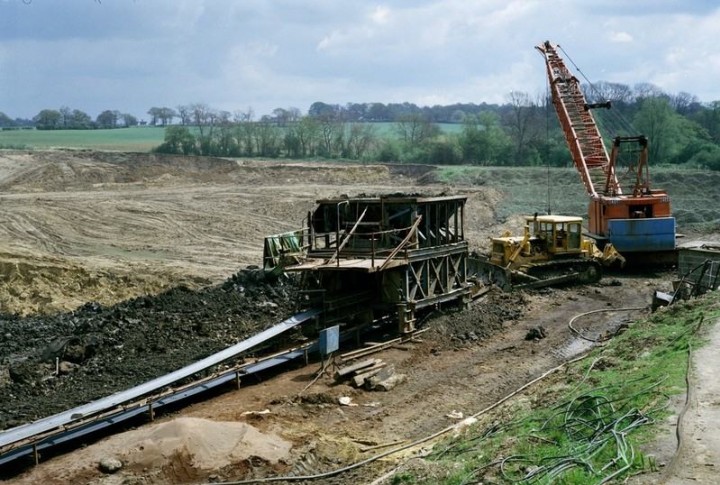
column 522, row 122
column 185, row 114
column 360, row 138
column 415, row 128
column 243, row 116
column 204, row 118
column 647, row 90
column 683, row 102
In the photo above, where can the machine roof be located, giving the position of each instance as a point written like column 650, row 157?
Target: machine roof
column 394, row 199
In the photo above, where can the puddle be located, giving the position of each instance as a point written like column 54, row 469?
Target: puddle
column 573, row 348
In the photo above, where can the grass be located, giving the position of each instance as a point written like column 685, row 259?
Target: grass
column 694, row 194
column 136, row 139
column 695, row 198
column 587, row 425
column 525, row 188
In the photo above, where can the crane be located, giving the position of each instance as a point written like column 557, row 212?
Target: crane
column 635, row 219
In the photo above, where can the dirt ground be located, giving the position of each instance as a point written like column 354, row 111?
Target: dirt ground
column 107, row 227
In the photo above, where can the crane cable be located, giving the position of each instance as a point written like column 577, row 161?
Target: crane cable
column 618, row 118
column 614, row 123
column 547, row 142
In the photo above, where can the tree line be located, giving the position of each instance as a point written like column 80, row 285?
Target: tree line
column 522, row 131
column 66, row 118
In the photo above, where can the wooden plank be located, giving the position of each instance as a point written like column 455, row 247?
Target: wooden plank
column 343, row 371
column 356, row 354
column 359, row 379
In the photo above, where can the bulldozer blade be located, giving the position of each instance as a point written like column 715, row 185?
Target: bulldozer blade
column 486, row 273
column 569, row 278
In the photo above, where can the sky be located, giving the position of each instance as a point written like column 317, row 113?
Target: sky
column 237, row 55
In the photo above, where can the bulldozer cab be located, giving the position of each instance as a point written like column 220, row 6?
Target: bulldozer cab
column 545, row 237
column 559, row 234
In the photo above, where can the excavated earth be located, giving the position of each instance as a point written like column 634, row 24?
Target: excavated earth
column 53, row 363
column 116, row 268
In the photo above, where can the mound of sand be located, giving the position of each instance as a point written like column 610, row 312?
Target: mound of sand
column 209, row 445
column 178, row 451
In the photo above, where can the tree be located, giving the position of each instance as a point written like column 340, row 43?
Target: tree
column 522, row 121
column 360, row 139
column 323, row 110
column 330, row 131
column 166, row 115
column 706, row 157
column 302, row 136
column 128, row 120
column 80, row 120
column 5, row 121
column 48, row 119
column 242, row 116
column 107, row 119
column 163, row 115
column 709, row 118
column 225, row 142
column 204, row 118
column 684, row 103
column 414, row 129
column 280, row 116
column 483, row 141
column 267, row 141
column 154, row 113
column 185, row 114
column 378, row 112
column 440, row 150
column 66, row 117
column 356, row 111
column 294, row 114
column 179, row 140
column 647, row 90
column 657, row 121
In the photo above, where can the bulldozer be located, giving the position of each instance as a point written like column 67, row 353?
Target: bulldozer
column 551, row 252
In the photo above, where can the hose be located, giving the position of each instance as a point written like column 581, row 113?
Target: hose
column 579, row 334
column 443, row 431
column 688, row 399
column 417, row 442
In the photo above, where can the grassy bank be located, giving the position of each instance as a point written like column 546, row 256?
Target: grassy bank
column 587, row 424
column 694, row 195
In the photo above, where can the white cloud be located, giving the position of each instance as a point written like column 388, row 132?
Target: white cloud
column 620, row 37
column 380, row 15
column 283, row 53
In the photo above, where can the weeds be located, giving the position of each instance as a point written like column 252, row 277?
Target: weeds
column 590, row 431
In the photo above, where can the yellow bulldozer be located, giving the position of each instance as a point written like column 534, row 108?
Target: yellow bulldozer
column 551, row 252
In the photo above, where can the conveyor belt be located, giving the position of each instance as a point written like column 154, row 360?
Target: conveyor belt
column 16, row 442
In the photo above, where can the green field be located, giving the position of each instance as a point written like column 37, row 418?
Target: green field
column 695, row 195
column 137, row 139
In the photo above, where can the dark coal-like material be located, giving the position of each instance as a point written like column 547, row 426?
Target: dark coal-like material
column 102, row 350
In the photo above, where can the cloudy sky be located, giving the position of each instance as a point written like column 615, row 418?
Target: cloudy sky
column 130, row 55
